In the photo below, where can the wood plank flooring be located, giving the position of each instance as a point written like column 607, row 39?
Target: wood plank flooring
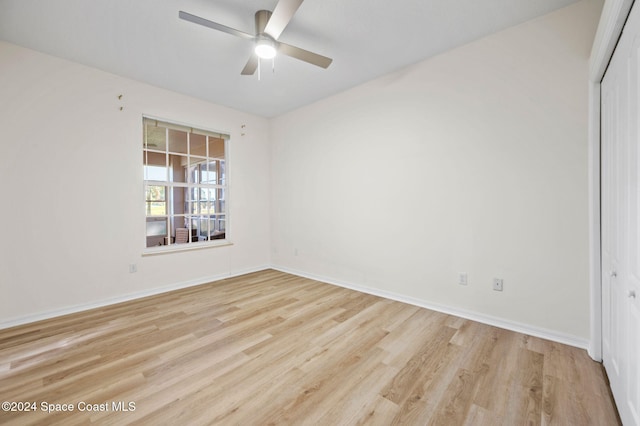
column 274, row 349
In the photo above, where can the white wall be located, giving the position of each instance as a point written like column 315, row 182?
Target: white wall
column 71, row 173
column 473, row 161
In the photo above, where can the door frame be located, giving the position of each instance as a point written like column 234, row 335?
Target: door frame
column 614, row 15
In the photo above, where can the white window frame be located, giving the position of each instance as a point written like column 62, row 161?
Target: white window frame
column 169, row 184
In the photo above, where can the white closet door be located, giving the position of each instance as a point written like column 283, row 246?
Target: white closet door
column 621, row 221
column 612, row 210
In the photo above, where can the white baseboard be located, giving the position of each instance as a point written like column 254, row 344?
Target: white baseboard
column 474, row 316
column 125, row 298
column 470, row 315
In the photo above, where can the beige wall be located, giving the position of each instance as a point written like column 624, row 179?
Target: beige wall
column 70, row 163
column 473, row 161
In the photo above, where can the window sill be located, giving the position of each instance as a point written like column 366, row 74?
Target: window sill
column 173, row 248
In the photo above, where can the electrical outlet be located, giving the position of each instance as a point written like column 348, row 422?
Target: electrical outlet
column 462, row 278
column 497, row 284
column 133, row 268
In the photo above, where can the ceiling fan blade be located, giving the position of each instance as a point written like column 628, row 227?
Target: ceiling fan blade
column 281, row 16
column 210, row 24
column 304, row 55
column 251, row 66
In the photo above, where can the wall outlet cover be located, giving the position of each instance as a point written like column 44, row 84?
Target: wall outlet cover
column 463, row 279
column 497, row 284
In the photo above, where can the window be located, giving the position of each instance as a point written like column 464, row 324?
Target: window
column 185, row 184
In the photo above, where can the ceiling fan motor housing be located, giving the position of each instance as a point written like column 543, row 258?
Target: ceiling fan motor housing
column 265, row 46
column 262, row 17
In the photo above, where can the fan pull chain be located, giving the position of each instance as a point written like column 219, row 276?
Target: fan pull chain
column 259, row 62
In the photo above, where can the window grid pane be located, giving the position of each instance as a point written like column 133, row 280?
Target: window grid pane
column 185, row 184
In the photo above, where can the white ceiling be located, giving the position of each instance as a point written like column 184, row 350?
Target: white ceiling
column 144, row 40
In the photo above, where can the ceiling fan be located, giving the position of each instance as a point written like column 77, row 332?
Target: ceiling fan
column 269, row 26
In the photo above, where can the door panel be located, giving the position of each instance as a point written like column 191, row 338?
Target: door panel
column 632, row 303
column 612, row 201
column 620, row 202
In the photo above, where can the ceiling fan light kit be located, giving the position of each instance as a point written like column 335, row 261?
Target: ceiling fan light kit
column 268, row 27
column 265, row 48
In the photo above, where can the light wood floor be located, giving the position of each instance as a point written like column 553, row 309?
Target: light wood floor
column 271, row 348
